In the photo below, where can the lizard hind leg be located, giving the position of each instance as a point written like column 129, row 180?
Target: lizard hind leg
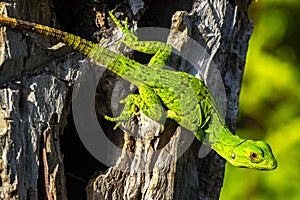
column 161, row 50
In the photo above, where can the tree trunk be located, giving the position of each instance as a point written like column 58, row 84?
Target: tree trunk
column 42, row 156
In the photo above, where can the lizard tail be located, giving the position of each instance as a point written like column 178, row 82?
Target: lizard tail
column 101, row 55
column 71, row 40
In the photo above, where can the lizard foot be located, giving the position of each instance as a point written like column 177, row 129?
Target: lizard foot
column 129, row 34
column 119, row 120
column 128, row 110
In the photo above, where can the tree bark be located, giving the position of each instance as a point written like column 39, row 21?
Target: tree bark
column 40, row 155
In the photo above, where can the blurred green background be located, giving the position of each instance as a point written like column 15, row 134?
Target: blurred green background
column 270, row 103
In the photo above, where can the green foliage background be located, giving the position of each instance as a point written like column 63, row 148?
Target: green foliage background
column 270, row 103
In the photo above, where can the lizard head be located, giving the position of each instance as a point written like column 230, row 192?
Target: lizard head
column 252, row 154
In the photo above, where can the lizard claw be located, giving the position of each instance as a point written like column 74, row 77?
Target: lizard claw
column 116, row 44
column 108, row 118
column 117, row 120
column 117, row 125
column 126, row 24
column 162, row 128
column 120, row 42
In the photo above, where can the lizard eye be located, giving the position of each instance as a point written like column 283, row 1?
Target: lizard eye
column 254, row 157
column 233, row 155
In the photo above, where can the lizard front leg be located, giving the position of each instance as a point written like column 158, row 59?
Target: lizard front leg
column 147, row 102
column 129, row 108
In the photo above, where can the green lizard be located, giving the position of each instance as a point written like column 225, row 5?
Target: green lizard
column 164, row 93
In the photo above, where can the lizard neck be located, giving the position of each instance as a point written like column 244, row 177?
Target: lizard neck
column 226, row 142
column 220, row 138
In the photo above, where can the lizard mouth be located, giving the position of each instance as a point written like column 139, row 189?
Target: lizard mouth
column 272, row 165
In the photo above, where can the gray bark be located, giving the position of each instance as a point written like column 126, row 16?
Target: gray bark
column 36, row 84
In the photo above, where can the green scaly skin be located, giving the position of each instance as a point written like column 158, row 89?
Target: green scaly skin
column 186, row 99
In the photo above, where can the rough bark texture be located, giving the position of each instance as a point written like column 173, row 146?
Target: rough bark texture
column 36, row 80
